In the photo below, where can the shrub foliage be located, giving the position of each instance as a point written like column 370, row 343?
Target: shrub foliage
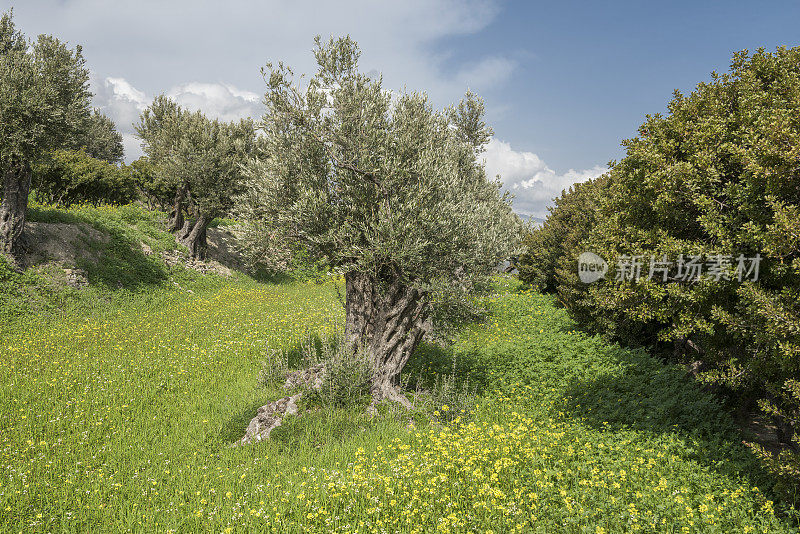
column 74, row 177
column 718, row 174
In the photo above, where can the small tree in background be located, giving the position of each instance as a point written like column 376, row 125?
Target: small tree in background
column 100, row 139
column 159, row 129
column 73, row 177
column 146, row 179
column 44, row 104
column 382, row 187
column 199, row 161
column 552, row 247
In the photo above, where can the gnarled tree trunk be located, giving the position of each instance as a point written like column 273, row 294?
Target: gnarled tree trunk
column 385, row 319
column 193, row 236
column 16, row 186
column 176, row 220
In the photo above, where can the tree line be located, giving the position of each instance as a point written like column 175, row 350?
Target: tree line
column 716, row 178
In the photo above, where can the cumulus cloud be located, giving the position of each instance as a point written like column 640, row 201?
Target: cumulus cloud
column 119, row 100
column 405, row 42
column 122, row 102
column 144, row 48
column 218, row 100
column 157, row 45
column 524, row 174
column 528, row 177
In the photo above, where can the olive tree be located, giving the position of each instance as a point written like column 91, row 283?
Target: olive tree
column 383, row 187
column 159, row 129
column 199, row 161
column 44, row 103
column 100, row 139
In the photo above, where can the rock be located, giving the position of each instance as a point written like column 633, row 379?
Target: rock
column 223, row 249
column 63, row 243
column 305, row 378
column 76, row 278
column 268, row 418
column 175, row 257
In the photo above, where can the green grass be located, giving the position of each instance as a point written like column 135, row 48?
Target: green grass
column 118, row 416
column 122, row 269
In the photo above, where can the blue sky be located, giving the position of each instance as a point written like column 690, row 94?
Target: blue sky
column 590, row 71
column 564, row 82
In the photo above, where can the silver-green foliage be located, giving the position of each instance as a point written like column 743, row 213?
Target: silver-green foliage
column 367, row 179
column 346, row 374
column 44, row 105
column 44, row 94
column 189, row 148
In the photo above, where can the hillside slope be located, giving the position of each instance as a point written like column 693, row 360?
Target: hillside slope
column 118, row 408
column 89, row 255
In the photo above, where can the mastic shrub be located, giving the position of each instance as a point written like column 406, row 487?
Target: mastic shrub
column 718, row 174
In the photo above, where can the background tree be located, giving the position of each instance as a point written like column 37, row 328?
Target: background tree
column 100, row 139
column 209, row 158
column 155, row 191
column 159, row 129
column 550, row 248
column 88, row 171
column 44, row 102
column 73, row 177
column 199, row 160
column 384, row 188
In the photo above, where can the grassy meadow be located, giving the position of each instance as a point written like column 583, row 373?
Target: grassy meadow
column 119, row 403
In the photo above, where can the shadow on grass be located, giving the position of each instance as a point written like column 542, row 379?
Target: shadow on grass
column 120, row 262
column 316, row 429
column 297, row 358
column 431, row 360
column 645, row 396
column 272, row 277
column 233, row 430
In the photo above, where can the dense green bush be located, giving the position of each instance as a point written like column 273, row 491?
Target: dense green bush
column 717, row 175
column 552, row 246
column 73, row 177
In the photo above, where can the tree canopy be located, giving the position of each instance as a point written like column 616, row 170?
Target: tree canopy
column 100, row 139
column 44, row 94
column 44, row 104
column 369, row 180
column 73, row 177
column 716, row 178
column 197, row 162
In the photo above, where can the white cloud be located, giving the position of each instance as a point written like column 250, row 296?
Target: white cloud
column 528, row 177
column 486, row 73
column 221, row 101
column 122, row 90
column 132, row 146
column 525, row 174
column 157, row 45
column 141, row 49
column 122, row 102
